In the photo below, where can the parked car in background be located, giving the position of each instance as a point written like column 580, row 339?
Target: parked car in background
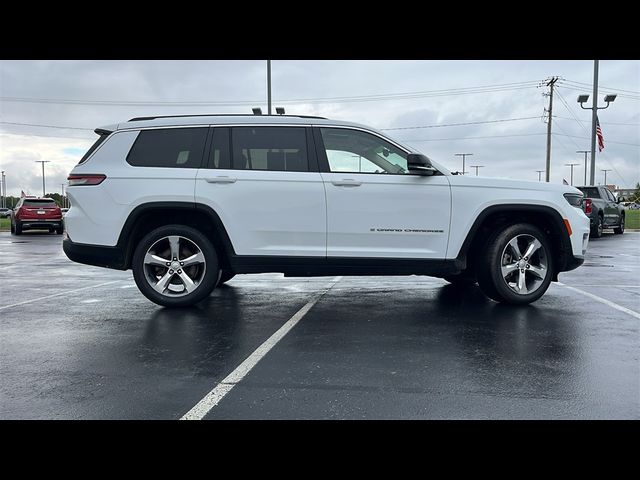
column 33, row 213
column 603, row 210
column 5, row 212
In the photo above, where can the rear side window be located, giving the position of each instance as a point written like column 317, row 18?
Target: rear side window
column 270, row 148
column 590, row 192
column 93, row 147
column 168, row 147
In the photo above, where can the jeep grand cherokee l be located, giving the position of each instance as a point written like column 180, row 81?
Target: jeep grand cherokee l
column 187, row 202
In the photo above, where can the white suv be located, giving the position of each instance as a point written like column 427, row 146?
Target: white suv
column 187, row 202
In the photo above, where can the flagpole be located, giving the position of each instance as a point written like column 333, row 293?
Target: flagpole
column 594, row 116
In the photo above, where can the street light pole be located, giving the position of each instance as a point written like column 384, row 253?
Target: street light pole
column 585, row 164
column 42, row 162
column 540, row 174
column 594, row 117
column 571, row 165
column 605, row 175
column 3, row 193
column 464, row 156
column 63, row 201
column 269, row 87
column 476, row 167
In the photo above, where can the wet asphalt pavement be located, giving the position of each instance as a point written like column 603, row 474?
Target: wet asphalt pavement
column 87, row 345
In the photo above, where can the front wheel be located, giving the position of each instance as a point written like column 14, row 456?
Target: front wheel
column 620, row 229
column 175, row 266
column 516, row 265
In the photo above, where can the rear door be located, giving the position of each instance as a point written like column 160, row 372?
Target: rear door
column 264, row 184
column 611, row 214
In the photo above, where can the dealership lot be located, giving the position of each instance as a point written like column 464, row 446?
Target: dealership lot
column 81, row 342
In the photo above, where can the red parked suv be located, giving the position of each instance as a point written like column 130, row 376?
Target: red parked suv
column 36, row 213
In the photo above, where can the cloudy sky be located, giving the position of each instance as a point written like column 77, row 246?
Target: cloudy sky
column 500, row 101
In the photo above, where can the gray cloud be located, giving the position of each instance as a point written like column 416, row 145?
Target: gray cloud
column 163, row 81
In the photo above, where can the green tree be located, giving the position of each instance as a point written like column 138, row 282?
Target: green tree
column 636, row 195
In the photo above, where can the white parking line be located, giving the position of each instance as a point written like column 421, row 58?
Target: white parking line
column 58, row 294
column 603, row 300
column 212, row 398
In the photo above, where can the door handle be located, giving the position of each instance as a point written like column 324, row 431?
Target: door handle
column 346, row 183
column 221, row 179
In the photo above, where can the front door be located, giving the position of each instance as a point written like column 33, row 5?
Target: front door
column 375, row 208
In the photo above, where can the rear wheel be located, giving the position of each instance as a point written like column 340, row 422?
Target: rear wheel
column 59, row 230
column 516, row 265
column 620, row 229
column 17, row 229
column 596, row 232
column 175, row 266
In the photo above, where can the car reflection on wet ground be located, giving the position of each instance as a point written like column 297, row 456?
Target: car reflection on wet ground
column 82, row 342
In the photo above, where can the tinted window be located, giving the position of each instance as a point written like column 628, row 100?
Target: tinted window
column 590, row 192
column 170, row 147
column 39, row 203
column 220, row 156
column 270, row 148
column 360, row 152
column 93, row 147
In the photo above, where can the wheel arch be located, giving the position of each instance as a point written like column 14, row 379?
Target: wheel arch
column 544, row 217
column 149, row 216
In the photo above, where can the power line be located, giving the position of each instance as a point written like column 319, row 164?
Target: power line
column 585, row 121
column 471, row 138
column 343, row 99
column 590, row 85
column 460, row 124
column 585, row 89
column 45, row 126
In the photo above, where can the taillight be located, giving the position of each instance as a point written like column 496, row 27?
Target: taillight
column 89, row 179
column 587, row 205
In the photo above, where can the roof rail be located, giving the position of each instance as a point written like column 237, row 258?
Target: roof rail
column 138, row 119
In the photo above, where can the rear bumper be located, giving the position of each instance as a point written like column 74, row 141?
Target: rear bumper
column 31, row 224
column 109, row 257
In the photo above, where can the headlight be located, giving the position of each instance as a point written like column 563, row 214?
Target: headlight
column 574, row 199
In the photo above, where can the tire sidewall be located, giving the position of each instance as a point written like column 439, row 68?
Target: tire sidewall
column 495, row 250
column 207, row 284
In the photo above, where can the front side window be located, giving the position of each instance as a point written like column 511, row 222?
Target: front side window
column 168, row 147
column 270, row 148
column 355, row 151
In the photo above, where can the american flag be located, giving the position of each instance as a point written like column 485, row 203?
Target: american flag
column 599, row 135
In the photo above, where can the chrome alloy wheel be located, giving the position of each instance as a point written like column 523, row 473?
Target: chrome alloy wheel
column 174, row 266
column 524, row 264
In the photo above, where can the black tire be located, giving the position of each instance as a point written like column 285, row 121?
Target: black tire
column 208, row 271
column 12, row 228
column 17, row 229
column 460, row 280
column 59, row 230
column 489, row 271
column 620, row 229
column 596, row 232
column 225, row 276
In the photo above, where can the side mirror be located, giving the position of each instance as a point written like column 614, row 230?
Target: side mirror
column 418, row 164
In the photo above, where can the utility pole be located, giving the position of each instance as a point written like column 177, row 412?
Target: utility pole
column 585, row 164
column 63, row 200
column 3, row 191
column 476, row 167
column 269, row 87
column 571, row 165
column 550, row 84
column 605, row 175
column 42, row 162
column 539, row 173
column 464, row 156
